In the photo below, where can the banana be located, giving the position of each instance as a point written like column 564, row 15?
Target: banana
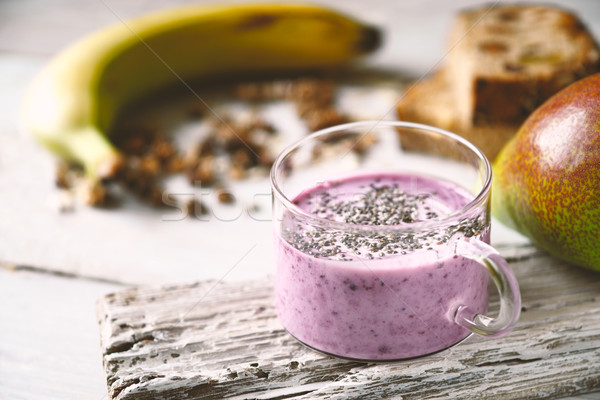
column 73, row 102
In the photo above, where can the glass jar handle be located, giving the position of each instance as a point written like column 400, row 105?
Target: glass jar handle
column 506, row 283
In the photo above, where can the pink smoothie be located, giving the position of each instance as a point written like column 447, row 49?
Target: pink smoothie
column 387, row 295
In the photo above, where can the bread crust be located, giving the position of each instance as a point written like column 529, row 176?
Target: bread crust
column 430, row 102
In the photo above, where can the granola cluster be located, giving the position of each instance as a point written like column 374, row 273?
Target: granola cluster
column 232, row 150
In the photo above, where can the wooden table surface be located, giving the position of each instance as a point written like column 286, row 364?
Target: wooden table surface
column 54, row 267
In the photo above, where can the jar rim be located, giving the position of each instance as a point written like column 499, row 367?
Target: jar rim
column 478, row 199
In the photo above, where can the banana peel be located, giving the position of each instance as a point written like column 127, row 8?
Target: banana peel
column 74, row 101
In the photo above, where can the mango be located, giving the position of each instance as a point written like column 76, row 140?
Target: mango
column 546, row 181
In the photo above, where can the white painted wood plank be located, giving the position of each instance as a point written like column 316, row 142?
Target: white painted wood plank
column 49, row 339
column 49, row 344
column 210, row 341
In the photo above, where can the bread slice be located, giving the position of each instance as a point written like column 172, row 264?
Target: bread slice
column 431, row 101
column 505, row 61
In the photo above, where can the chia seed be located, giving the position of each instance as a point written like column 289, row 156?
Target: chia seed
column 378, row 205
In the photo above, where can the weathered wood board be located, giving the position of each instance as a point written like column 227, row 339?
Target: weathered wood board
column 212, row 340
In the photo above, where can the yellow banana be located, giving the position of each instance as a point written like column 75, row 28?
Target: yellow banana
column 73, row 102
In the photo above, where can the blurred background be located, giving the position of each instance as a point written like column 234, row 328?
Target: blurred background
column 135, row 243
